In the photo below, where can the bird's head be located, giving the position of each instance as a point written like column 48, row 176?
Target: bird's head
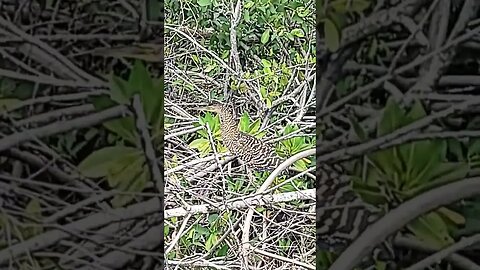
column 215, row 107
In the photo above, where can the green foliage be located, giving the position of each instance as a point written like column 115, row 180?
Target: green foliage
column 249, row 127
column 292, row 146
column 396, row 174
column 203, row 144
column 151, row 95
column 273, row 77
column 124, row 165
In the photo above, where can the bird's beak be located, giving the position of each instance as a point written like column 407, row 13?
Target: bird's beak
column 205, row 108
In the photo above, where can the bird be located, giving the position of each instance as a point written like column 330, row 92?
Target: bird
column 258, row 155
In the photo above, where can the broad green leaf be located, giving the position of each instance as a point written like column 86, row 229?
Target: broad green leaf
column 136, row 184
column 34, row 211
column 422, row 156
column 265, row 36
column 369, row 193
column 204, row 3
column 360, row 5
column 297, row 32
column 119, row 90
column 392, row 118
column 6, row 104
column 99, row 162
column 451, row 215
column 123, row 127
column 255, row 126
column 244, row 122
column 359, row 131
column 416, row 112
column 211, row 241
column 440, row 175
column 102, row 102
column 151, row 91
column 432, row 230
column 266, row 63
column 124, row 171
column 332, row 35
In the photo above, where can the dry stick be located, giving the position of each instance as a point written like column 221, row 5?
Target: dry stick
column 63, row 97
column 46, row 79
column 51, row 53
column 239, row 203
column 282, row 258
column 401, row 216
column 62, row 126
column 56, row 115
column 379, row 81
column 178, row 235
column 47, row 239
column 284, row 165
column 142, row 127
column 395, row 137
column 60, row 175
column 455, row 259
column 117, row 259
column 442, row 254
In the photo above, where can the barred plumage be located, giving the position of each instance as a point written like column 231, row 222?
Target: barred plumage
column 255, row 153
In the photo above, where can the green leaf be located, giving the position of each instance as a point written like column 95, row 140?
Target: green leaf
column 254, row 127
column 151, row 92
column 266, row 63
column 34, row 209
column 119, row 90
column 6, row 104
column 332, row 35
column 123, row 127
column 244, row 122
column 102, row 102
column 212, row 218
column 211, row 241
column 451, row 215
column 359, row 131
column 432, row 230
column 265, row 36
column 99, row 162
column 135, row 184
column 297, row 32
column 416, row 112
column 392, row 118
column 440, row 175
column 198, row 143
column 371, row 194
column 204, row 3
column 360, row 5
column 268, row 103
column 249, row 4
column 122, row 172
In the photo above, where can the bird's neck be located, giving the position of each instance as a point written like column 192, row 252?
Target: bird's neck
column 229, row 125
